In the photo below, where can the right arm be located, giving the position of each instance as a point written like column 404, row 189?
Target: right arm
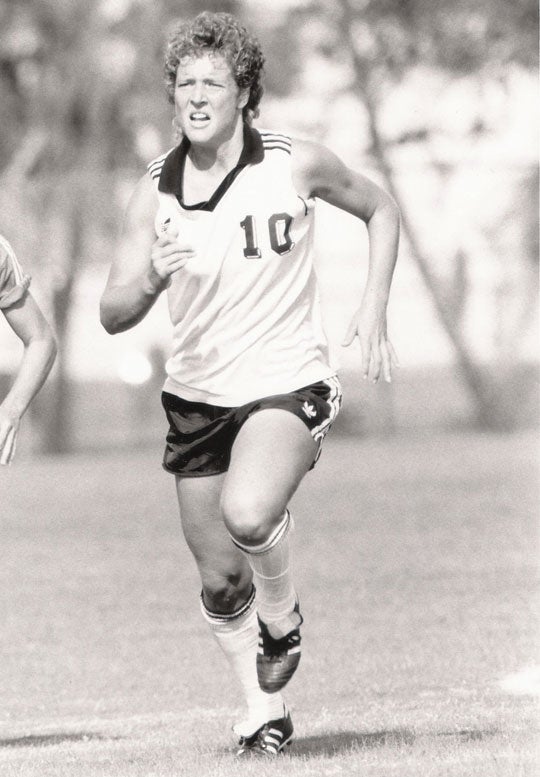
column 319, row 173
column 142, row 265
column 28, row 323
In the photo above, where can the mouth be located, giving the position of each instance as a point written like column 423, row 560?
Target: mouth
column 199, row 118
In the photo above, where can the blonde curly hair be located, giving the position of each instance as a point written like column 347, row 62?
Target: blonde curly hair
column 223, row 34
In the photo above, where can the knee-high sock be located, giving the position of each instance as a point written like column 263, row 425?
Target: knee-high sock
column 271, row 566
column 237, row 635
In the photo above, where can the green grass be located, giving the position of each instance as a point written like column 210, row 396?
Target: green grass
column 415, row 561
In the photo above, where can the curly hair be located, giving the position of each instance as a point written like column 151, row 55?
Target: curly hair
column 223, row 34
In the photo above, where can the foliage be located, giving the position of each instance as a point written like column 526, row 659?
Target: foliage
column 464, row 36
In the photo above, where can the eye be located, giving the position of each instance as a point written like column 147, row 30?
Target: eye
column 183, row 81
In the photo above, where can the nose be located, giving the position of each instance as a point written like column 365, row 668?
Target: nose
column 198, row 96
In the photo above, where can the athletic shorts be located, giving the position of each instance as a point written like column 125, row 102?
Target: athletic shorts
column 201, row 436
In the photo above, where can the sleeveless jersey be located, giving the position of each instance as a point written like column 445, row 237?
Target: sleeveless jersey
column 13, row 281
column 245, row 308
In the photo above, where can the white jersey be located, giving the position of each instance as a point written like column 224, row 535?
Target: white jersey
column 14, row 282
column 245, row 308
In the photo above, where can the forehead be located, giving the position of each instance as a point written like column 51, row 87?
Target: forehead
column 208, row 63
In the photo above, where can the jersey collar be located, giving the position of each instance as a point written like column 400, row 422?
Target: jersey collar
column 171, row 178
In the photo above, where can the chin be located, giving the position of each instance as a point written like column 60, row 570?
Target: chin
column 199, row 135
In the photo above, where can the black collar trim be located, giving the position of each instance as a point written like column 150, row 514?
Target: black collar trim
column 171, row 179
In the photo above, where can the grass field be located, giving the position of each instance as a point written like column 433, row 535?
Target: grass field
column 416, row 561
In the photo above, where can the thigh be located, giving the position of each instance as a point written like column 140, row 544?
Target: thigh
column 219, row 562
column 271, row 454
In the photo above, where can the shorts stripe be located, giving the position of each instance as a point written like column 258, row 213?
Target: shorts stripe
column 334, row 400
column 18, row 273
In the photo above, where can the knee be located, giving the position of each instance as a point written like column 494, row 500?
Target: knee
column 249, row 519
column 226, row 594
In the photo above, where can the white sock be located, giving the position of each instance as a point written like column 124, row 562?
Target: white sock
column 270, row 563
column 237, row 635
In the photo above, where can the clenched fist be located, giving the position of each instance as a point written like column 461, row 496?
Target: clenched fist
column 168, row 256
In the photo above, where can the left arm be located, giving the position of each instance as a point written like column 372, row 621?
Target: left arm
column 28, row 323
column 319, row 173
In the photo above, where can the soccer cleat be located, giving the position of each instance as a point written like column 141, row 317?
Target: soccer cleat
column 277, row 659
column 269, row 740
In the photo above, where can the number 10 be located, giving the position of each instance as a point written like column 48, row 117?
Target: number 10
column 279, row 226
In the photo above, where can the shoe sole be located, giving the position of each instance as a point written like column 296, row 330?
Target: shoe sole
column 273, row 684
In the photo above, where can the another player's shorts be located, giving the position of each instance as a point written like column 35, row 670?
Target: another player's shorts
column 201, row 436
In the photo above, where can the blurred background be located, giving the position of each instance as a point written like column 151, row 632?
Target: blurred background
column 437, row 101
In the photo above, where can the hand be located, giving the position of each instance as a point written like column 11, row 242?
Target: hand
column 168, row 256
column 9, row 427
column 378, row 354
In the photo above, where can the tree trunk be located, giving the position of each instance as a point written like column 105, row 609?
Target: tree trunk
column 488, row 411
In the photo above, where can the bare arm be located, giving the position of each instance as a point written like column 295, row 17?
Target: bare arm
column 319, row 173
column 132, row 288
column 142, row 265
column 28, row 323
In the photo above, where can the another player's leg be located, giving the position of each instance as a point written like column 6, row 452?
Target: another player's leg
column 227, row 599
column 271, row 454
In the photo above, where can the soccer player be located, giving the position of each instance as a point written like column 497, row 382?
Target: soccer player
column 27, row 321
column 224, row 223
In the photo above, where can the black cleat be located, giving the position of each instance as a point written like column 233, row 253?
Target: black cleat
column 277, row 659
column 269, row 740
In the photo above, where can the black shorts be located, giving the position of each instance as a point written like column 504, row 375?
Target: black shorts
column 201, row 436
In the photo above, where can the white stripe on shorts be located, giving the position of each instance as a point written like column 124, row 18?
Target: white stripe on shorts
column 18, row 273
column 334, row 400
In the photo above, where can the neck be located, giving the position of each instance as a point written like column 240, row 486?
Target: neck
column 223, row 155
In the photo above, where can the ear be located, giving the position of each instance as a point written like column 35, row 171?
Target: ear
column 243, row 98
